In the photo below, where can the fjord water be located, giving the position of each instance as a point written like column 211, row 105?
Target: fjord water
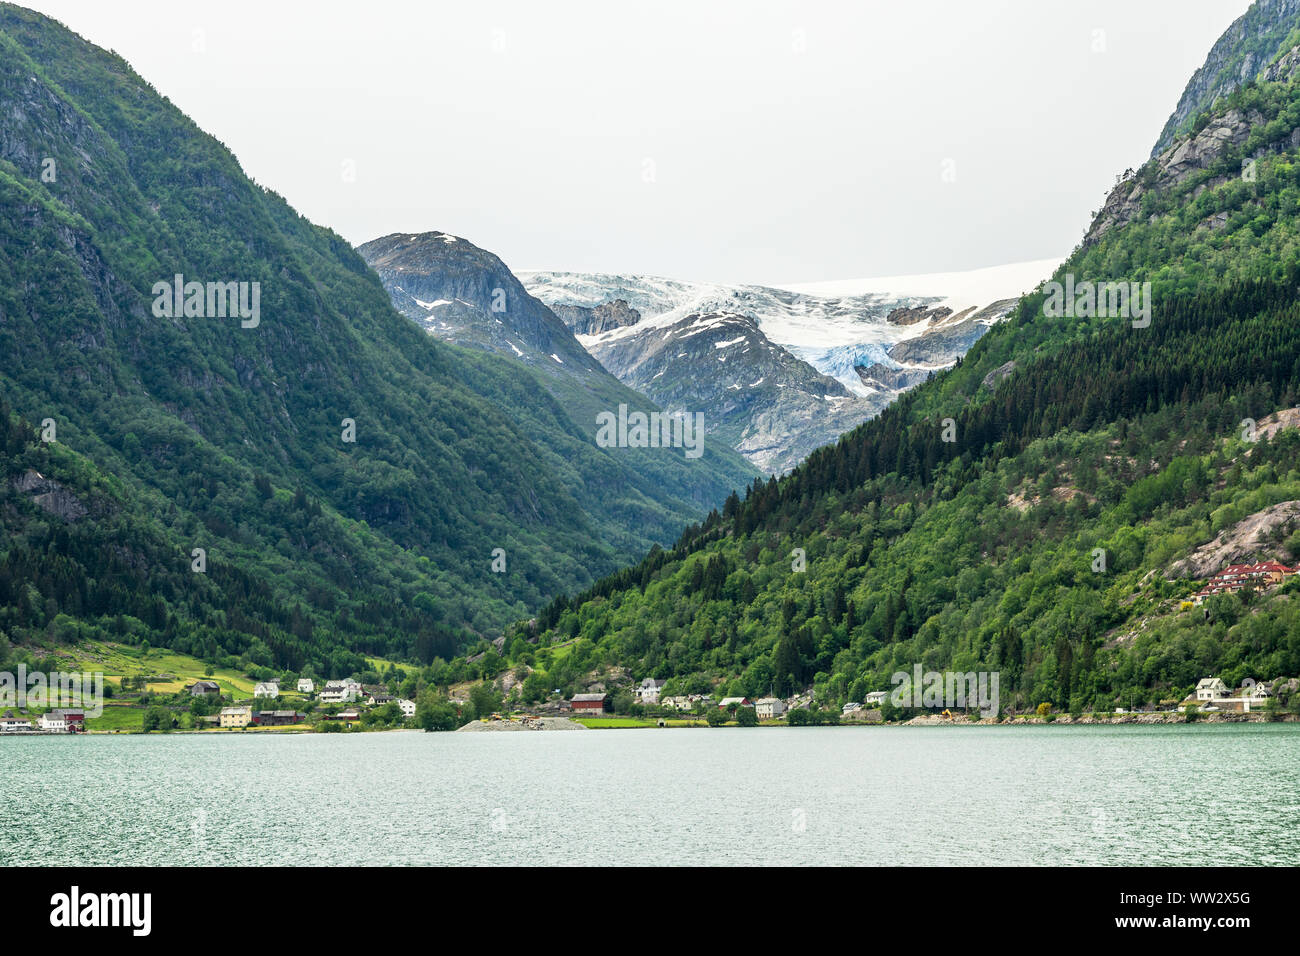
column 1223, row 794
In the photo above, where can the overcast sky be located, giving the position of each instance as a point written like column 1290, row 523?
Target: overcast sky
column 745, row 142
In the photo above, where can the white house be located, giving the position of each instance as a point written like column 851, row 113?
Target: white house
column 768, row 708
column 54, row 722
column 852, row 707
column 738, row 701
column 648, row 690
column 1211, row 688
column 306, row 685
column 339, row 692
column 270, row 688
column 677, row 703
column 9, row 724
column 408, row 707
column 875, row 698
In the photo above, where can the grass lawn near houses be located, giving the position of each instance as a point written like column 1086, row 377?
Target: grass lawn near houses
column 117, row 718
column 116, row 661
column 178, row 670
column 600, row 723
column 618, row 723
column 379, row 664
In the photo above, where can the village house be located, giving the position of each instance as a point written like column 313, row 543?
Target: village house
column 647, row 692
column 339, row 692
column 676, row 703
column 1213, row 695
column 349, row 715
column 378, row 700
column 278, row 718
column 270, row 688
column 236, row 717
column 408, row 707
column 12, row 723
column 590, row 703
column 306, row 685
column 852, row 707
column 201, row 688
column 1211, row 688
column 875, row 698
column 63, row 721
column 1236, row 577
column 738, row 701
column 769, row 708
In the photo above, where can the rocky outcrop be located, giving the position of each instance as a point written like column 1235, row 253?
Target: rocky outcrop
column 467, row 296
column 999, row 373
column 1245, row 50
column 1185, row 157
column 1194, row 152
column 892, row 379
column 582, row 320
column 520, row 724
column 1250, row 539
column 905, row 316
column 1285, row 418
column 941, row 346
column 50, row 496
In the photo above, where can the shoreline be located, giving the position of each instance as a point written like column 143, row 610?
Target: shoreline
column 553, row 724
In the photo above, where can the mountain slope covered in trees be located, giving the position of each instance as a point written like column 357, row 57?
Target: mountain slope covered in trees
column 1030, row 511
column 346, row 478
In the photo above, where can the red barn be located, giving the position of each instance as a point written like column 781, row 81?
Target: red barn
column 590, row 703
column 76, row 720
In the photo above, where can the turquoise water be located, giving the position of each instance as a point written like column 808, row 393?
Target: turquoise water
column 1224, row 794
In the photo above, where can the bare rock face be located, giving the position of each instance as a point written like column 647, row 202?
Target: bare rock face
column 1178, row 158
column 892, row 379
column 1249, row 540
column 1286, row 418
column 905, row 316
column 467, row 296
column 941, row 346
column 521, row 724
column 581, row 320
column 1241, row 54
column 1185, row 157
column 998, row 374
column 50, row 496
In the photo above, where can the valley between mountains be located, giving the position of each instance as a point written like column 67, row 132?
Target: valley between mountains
column 399, row 474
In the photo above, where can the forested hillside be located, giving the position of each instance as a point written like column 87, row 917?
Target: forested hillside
column 348, row 479
column 1030, row 511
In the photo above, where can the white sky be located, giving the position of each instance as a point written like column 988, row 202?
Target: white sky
column 790, row 141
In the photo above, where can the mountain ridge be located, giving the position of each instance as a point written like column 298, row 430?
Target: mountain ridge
column 1024, row 511
column 347, row 478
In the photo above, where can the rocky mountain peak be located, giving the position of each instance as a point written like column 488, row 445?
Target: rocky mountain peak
column 467, row 296
column 1246, row 49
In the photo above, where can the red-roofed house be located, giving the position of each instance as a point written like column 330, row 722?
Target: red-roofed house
column 1233, row 578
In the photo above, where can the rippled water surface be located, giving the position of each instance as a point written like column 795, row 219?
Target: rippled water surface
column 1105, row 795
